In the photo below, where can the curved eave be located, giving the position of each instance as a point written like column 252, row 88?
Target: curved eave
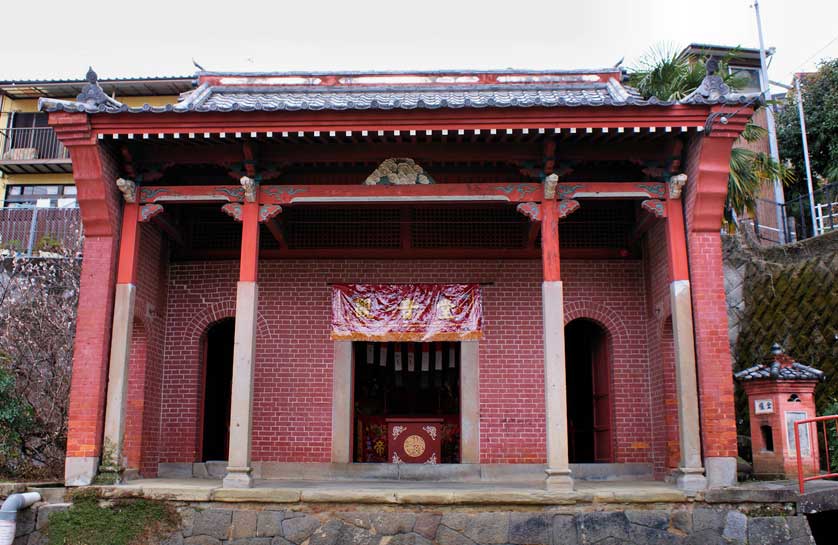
column 627, row 117
column 71, row 107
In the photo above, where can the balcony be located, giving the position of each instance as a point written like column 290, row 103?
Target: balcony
column 40, row 232
column 33, row 150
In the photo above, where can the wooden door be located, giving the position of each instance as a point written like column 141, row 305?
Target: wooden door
column 602, row 399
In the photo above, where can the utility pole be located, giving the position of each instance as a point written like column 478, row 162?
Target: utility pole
column 805, row 141
column 806, row 153
column 779, row 197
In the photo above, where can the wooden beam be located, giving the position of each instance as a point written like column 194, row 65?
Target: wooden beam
column 277, row 231
column 174, row 234
column 511, row 192
column 413, row 253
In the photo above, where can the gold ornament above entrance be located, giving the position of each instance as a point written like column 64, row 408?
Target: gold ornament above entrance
column 398, row 171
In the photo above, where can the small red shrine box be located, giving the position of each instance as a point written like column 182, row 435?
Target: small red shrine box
column 414, row 440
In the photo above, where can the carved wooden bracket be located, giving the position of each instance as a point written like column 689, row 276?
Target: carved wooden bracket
column 268, row 212
column 550, row 183
column 250, row 188
column 655, row 207
column 128, row 189
column 531, row 210
column 567, row 207
column 676, row 185
column 149, row 211
column 234, row 210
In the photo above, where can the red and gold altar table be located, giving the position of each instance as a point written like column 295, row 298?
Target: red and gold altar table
column 414, row 440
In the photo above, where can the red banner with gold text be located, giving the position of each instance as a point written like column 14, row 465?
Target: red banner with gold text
column 406, row 312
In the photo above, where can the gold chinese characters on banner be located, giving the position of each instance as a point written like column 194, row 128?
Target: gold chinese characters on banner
column 406, row 312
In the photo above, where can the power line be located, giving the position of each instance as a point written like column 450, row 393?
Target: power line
column 815, row 54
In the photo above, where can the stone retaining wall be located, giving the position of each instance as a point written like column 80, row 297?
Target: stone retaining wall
column 252, row 524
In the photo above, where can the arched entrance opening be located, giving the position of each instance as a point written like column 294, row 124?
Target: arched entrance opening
column 588, row 392
column 218, row 384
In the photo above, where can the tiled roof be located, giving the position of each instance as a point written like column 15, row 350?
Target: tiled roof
column 429, row 90
column 775, row 370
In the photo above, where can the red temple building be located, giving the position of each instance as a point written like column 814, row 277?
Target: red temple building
column 485, row 273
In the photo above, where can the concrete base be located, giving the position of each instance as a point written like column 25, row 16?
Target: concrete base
column 238, row 477
column 721, row 471
column 80, row 470
column 689, row 479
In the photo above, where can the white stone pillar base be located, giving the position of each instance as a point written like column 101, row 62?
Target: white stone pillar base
column 558, row 480
column 342, row 373
column 689, row 479
column 238, row 477
column 555, row 386
column 80, row 470
column 115, row 408
column 241, row 404
column 690, row 474
column 469, row 402
column 721, row 471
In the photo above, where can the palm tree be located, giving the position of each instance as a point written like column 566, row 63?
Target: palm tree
column 665, row 74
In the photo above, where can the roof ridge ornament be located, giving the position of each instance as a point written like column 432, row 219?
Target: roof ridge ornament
column 92, row 93
column 713, row 86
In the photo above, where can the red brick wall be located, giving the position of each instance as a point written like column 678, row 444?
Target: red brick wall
column 94, row 172
column 714, row 364
column 292, row 410
column 145, row 371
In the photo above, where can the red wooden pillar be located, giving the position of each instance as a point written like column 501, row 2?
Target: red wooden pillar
column 708, row 169
column 94, row 172
column 239, row 470
column 555, row 384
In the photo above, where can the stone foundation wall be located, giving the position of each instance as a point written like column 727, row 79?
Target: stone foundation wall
column 698, row 524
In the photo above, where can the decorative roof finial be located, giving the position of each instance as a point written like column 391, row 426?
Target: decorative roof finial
column 712, row 66
column 92, row 94
column 776, row 349
column 713, row 86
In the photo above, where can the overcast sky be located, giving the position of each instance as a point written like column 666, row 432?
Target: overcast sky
column 48, row 39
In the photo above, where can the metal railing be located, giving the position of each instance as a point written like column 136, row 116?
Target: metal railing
column 32, row 143
column 797, row 216
column 812, row 444
column 32, row 231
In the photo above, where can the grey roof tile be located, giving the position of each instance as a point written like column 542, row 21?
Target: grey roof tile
column 228, row 98
column 776, row 371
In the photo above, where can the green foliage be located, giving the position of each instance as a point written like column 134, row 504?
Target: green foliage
column 91, row 521
column 16, row 421
column 820, row 106
column 832, row 434
column 48, row 243
column 663, row 73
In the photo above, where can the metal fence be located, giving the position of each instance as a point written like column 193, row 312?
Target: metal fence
column 797, row 218
column 26, row 144
column 32, row 231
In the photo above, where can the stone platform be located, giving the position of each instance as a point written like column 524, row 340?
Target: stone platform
column 445, row 513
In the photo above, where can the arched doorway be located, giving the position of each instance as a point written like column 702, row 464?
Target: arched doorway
column 588, row 392
column 218, row 383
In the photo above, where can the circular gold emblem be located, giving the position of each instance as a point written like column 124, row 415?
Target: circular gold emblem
column 414, row 446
